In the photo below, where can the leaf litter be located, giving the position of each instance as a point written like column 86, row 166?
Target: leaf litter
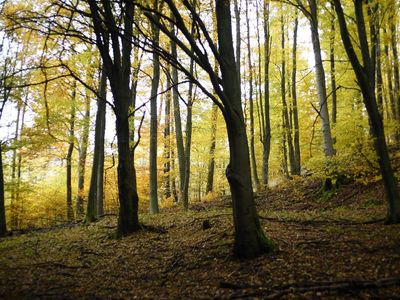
column 332, row 249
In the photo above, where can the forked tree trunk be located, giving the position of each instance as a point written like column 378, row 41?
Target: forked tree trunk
column 250, row 240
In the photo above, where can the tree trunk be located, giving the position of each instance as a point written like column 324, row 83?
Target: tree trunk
column 153, row 120
column 118, row 69
column 320, row 79
column 238, row 38
column 71, row 144
column 296, row 140
column 250, row 240
column 3, row 224
column 333, row 71
column 167, row 141
column 266, row 141
column 251, row 104
column 95, row 197
column 82, row 160
column 178, row 123
column 286, row 121
column 211, row 159
column 365, row 78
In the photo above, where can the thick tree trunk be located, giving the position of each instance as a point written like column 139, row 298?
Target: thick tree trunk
column 3, row 224
column 153, row 121
column 128, row 198
column 250, row 240
column 365, row 78
column 320, row 80
column 296, row 139
column 95, row 197
column 266, row 141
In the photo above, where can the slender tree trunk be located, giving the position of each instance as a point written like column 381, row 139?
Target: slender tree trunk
column 95, row 197
column 71, row 145
column 153, row 121
column 320, row 80
column 266, row 141
column 366, row 81
column 167, row 141
column 389, row 77
column 296, row 140
column 286, row 121
column 250, row 240
column 14, row 204
column 251, row 104
column 211, row 159
column 333, row 71
column 178, row 123
column 214, row 110
column 18, row 199
column 238, row 38
column 82, row 160
column 3, row 224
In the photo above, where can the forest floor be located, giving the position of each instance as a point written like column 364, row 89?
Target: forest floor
column 330, row 247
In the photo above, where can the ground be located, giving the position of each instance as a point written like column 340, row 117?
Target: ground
column 329, row 245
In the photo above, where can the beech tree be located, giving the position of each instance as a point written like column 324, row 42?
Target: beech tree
column 105, row 16
column 364, row 71
column 250, row 240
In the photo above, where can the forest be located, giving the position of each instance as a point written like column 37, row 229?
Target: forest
column 187, row 149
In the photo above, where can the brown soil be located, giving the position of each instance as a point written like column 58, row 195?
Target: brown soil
column 329, row 246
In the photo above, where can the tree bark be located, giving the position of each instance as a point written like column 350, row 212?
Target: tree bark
column 178, row 122
column 333, row 70
column 118, row 69
column 365, row 78
column 266, row 140
column 287, row 135
column 71, row 145
column 95, row 197
column 211, row 152
column 320, row 79
column 251, row 104
column 82, row 160
column 250, row 240
column 296, row 139
column 153, row 120
column 167, row 140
